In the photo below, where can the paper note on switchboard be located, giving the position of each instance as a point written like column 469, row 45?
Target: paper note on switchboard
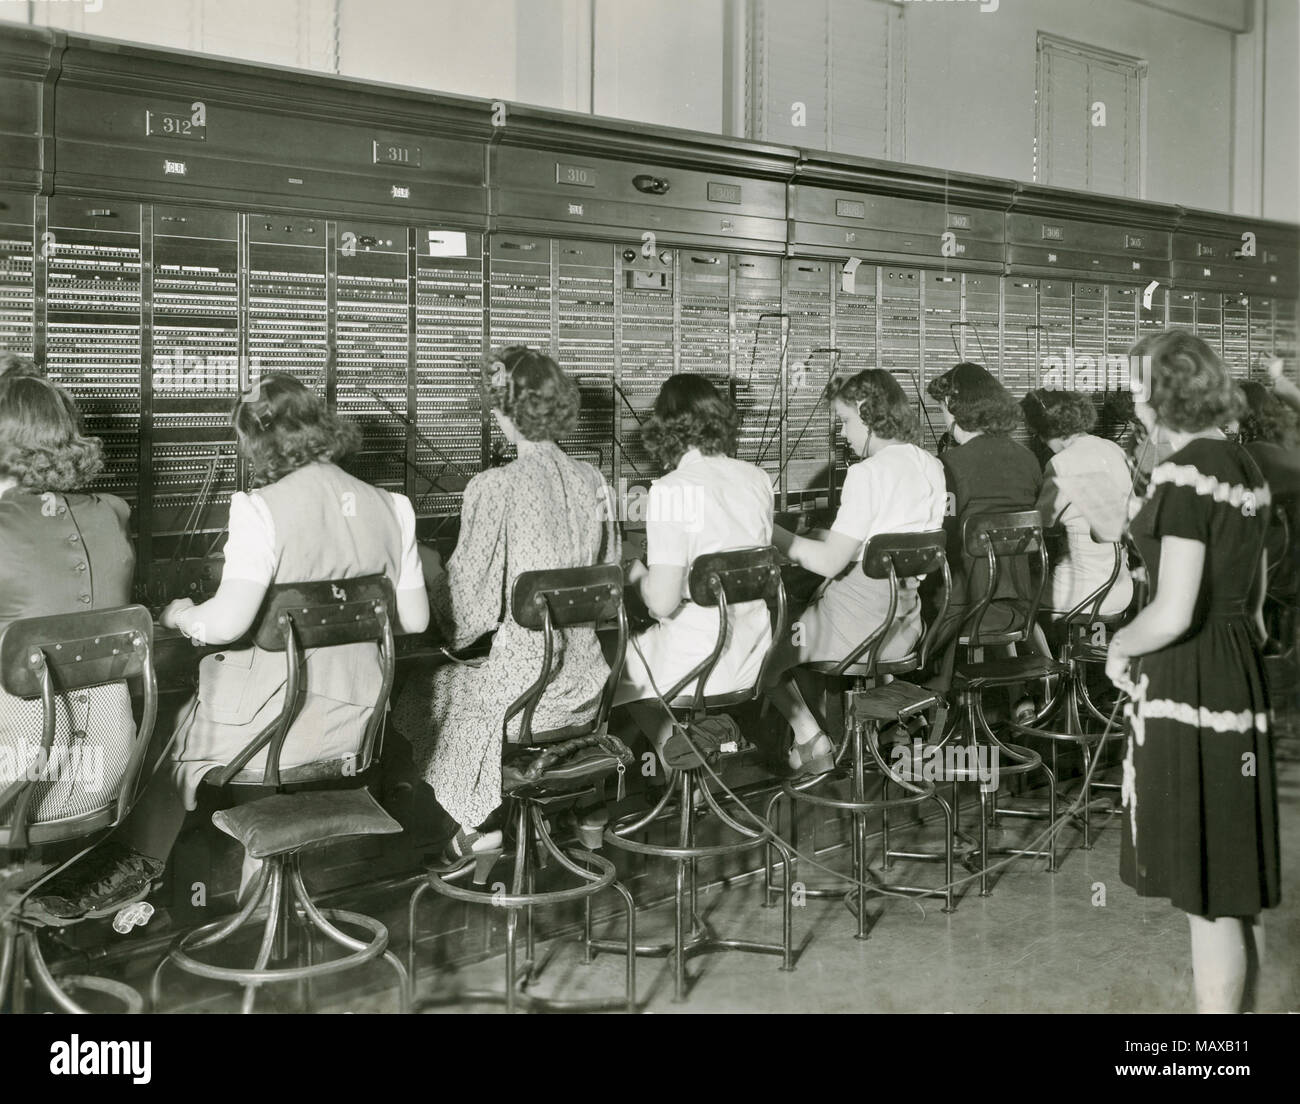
column 849, row 275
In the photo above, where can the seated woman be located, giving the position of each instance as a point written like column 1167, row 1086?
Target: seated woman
column 986, row 473
column 897, row 487
column 544, row 510
column 307, row 520
column 1086, row 489
column 15, row 365
column 707, row 502
column 61, row 551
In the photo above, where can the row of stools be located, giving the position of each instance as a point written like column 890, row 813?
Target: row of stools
column 548, row 773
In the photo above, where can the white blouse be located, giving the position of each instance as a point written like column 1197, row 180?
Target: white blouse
column 900, row 489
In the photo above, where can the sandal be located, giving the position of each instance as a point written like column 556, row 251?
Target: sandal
column 809, row 763
column 460, row 852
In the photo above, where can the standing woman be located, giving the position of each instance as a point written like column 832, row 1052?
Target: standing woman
column 896, row 487
column 305, row 521
column 706, row 502
column 542, row 511
column 1200, row 790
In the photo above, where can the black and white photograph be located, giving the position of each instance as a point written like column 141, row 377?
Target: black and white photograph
column 732, row 507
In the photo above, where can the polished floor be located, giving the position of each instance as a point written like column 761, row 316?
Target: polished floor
column 1078, row 940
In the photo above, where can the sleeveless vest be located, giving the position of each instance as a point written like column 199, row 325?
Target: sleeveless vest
column 328, row 525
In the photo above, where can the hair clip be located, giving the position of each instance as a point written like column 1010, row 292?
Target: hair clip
column 500, row 375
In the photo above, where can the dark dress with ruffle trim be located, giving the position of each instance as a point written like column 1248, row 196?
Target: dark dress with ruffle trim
column 1200, row 789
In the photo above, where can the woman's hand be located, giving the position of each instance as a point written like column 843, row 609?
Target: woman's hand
column 1117, row 668
column 167, row 619
column 635, row 572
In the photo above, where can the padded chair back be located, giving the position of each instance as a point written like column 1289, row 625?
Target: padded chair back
column 896, row 556
column 298, row 616
column 564, row 598
column 1003, row 540
column 724, row 579
column 41, row 657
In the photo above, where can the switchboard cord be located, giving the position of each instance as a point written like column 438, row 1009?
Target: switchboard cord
column 826, row 390
column 1048, row 833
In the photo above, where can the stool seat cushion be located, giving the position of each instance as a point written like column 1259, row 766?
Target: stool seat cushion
column 1091, row 653
column 1007, row 670
column 892, row 701
column 282, row 823
column 686, row 702
column 900, row 666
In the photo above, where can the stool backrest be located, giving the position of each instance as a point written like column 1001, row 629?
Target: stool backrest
column 298, row 616
column 1004, row 540
column 896, row 556
column 42, row 657
column 563, row 598
column 724, row 579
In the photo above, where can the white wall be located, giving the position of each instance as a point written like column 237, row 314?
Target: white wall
column 1223, row 109
column 971, row 78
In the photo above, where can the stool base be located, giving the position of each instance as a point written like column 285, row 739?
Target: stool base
column 692, row 934
column 280, row 881
column 594, row 871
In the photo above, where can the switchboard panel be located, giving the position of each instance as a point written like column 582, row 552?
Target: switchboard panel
column 450, row 359
column 194, row 380
column 92, row 325
column 584, row 344
column 288, row 315
column 371, row 343
column 762, row 344
column 546, row 191
column 17, row 275
column 646, row 344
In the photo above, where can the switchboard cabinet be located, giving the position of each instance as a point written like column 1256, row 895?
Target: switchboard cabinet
column 172, row 228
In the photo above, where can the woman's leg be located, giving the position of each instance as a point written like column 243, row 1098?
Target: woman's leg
column 785, row 695
column 1219, row 963
column 157, row 817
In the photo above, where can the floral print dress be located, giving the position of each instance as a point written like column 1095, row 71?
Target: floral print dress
column 543, row 511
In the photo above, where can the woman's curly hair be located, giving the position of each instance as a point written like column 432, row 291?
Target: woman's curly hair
column 282, row 426
column 532, row 390
column 15, row 364
column 41, row 444
column 1190, row 389
column 1266, row 418
column 978, row 402
column 1050, row 413
column 881, row 404
column 688, row 414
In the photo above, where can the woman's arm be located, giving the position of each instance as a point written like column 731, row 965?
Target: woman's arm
column 659, row 585
column 223, row 618
column 1169, row 614
column 827, row 557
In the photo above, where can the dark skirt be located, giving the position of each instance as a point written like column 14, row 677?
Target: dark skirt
column 1200, row 788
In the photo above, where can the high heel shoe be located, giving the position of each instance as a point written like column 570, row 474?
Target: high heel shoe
column 460, row 852
column 807, row 762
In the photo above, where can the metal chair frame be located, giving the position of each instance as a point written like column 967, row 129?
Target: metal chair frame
column 546, row 601
column 39, row 658
column 1073, row 699
column 998, row 537
column 293, row 618
column 718, row 579
column 890, row 556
